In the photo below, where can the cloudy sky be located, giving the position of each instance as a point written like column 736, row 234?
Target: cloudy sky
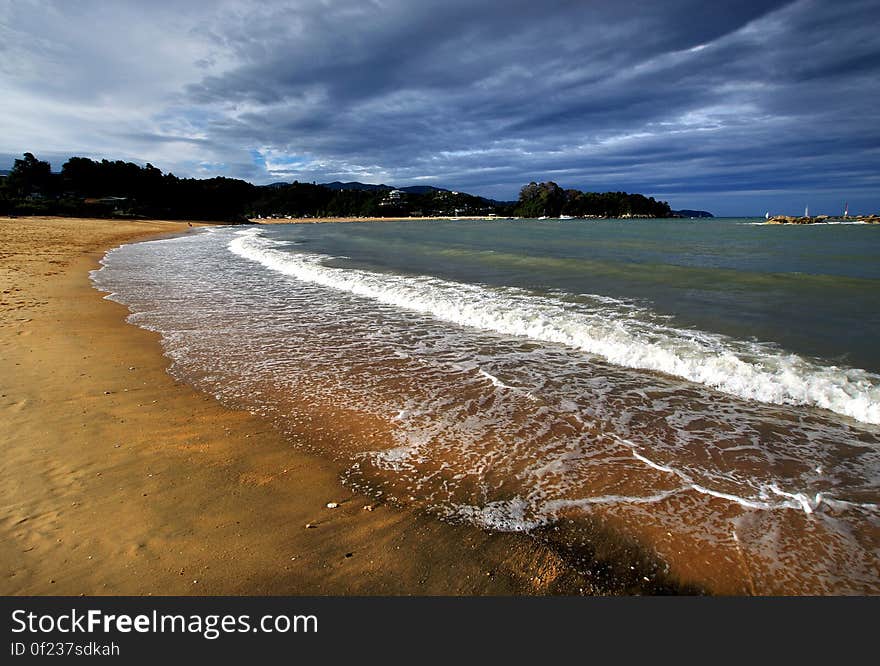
column 734, row 107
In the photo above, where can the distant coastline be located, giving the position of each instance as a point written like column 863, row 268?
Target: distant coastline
column 289, row 219
column 117, row 189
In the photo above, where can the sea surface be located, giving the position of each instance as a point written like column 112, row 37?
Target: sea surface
column 678, row 404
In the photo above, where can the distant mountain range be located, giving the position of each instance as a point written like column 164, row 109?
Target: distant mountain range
column 356, row 186
column 367, row 187
column 337, row 185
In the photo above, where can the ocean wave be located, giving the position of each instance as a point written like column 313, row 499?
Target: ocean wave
column 607, row 328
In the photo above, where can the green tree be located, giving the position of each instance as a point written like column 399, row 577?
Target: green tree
column 538, row 200
column 29, row 176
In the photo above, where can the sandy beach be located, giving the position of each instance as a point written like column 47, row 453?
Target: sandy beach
column 118, row 480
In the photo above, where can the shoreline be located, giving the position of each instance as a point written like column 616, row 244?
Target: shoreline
column 325, row 220
column 120, row 480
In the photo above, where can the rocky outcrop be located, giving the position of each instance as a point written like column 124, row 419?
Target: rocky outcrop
column 787, row 219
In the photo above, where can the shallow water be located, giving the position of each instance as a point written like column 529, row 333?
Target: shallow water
column 706, row 390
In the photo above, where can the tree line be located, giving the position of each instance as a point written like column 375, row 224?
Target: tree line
column 90, row 188
column 86, row 187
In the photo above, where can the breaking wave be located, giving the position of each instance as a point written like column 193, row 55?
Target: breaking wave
column 614, row 330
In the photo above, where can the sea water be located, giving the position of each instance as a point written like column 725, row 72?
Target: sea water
column 706, row 392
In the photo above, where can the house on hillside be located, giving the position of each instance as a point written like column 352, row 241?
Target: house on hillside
column 393, row 198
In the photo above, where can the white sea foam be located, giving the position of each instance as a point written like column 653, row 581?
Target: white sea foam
column 504, row 516
column 748, row 370
column 791, row 500
column 497, row 383
column 651, row 463
column 689, row 482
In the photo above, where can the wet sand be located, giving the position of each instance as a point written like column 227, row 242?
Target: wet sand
column 118, row 480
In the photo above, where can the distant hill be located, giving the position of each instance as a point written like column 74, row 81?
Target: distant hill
column 422, row 189
column 368, row 187
column 357, row 187
column 4, row 172
column 692, row 213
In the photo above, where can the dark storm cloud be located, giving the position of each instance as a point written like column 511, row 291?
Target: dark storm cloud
column 746, row 107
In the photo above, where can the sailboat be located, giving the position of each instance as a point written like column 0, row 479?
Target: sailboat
column 767, row 215
column 807, row 211
column 845, row 210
